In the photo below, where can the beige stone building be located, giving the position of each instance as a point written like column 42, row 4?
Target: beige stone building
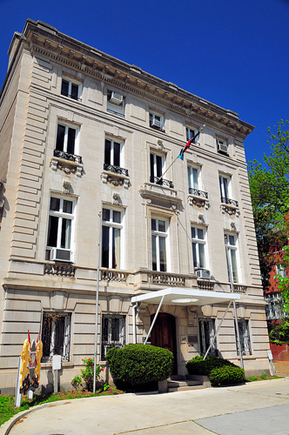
column 82, row 133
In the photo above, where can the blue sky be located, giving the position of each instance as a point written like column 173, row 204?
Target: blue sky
column 233, row 53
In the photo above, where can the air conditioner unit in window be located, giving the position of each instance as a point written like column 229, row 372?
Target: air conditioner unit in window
column 156, row 123
column 203, row 273
column 116, row 98
column 57, row 254
column 222, row 146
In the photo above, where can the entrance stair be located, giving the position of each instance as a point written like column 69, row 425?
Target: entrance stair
column 182, row 383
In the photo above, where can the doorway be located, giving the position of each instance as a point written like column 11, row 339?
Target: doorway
column 164, row 335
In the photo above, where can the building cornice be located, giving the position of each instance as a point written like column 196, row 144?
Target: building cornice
column 47, row 41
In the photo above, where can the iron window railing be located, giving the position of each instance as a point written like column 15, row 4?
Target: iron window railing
column 68, row 156
column 198, row 192
column 161, row 181
column 229, row 201
column 115, row 169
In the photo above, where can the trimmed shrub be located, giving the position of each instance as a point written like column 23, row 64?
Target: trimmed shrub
column 226, row 375
column 198, row 366
column 138, row 364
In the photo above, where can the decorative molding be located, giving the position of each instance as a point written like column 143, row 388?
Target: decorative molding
column 66, row 166
column 115, row 179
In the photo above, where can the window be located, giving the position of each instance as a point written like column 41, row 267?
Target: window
column 281, row 270
column 231, row 255
column 70, row 89
column 193, row 177
column 225, row 192
column 113, row 333
column 66, row 139
column 56, row 335
column 115, row 103
column 274, row 309
column 156, row 121
column 190, row 133
column 224, row 188
column 198, row 245
column 157, row 162
column 207, row 333
column 60, row 229
column 244, row 337
column 222, row 146
column 111, row 238
column 159, row 229
column 112, row 153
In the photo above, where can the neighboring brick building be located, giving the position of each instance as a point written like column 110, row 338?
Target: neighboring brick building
column 274, row 311
column 82, row 132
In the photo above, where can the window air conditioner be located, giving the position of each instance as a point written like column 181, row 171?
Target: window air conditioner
column 57, row 254
column 203, row 273
column 222, row 146
column 156, row 123
column 116, row 98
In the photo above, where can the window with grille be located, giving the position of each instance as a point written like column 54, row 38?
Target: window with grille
column 113, row 333
column 56, row 335
column 207, row 332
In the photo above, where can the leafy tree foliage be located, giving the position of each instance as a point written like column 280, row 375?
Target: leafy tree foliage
column 269, row 185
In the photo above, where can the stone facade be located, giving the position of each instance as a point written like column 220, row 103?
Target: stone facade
column 82, row 132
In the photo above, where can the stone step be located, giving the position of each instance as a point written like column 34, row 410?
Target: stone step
column 184, row 384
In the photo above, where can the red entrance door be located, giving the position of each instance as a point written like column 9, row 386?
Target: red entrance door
column 164, row 335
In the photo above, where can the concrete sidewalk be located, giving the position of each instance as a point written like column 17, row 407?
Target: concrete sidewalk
column 258, row 407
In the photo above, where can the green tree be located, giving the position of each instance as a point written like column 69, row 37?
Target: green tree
column 269, row 186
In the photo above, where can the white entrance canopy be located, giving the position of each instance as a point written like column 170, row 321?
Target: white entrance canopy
column 179, row 296
column 183, row 297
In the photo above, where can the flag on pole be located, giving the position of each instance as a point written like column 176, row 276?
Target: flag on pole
column 181, row 155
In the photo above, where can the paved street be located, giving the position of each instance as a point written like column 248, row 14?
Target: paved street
column 258, row 407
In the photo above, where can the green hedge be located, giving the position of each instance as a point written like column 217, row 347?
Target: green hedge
column 219, row 370
column 139, row 364
column 198, row 366
column 226, row 375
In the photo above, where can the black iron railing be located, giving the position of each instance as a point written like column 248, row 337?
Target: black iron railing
column 229, row 201
column 161, row 181
column 68, row 156
column 115, row 169
column 198, row 192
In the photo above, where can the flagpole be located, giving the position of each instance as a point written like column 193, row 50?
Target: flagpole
column 96, row 307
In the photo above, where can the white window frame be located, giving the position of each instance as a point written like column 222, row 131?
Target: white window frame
column 60, row 215
column 154, row 166
column 281, row 270
column 199, row 242
column 159, row 235
column 66, row 335
column 222, row 142
column 109, row 343
column 190, row 133
column 194, row 177
column 111, row 224
column 153, row 117
column 116, row 109
column 225, row 187
column 232, row 258
column 70, row 83
column 65, row 140
column 113, row 142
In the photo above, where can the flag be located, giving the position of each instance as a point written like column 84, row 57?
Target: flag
column 181, row 155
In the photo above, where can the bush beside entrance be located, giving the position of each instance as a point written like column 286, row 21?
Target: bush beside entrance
column 137, row 365
column 220, row 371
